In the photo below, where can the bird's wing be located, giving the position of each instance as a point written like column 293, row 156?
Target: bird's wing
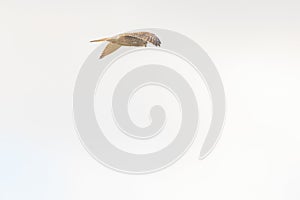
column 146, row 36
column 110, row 47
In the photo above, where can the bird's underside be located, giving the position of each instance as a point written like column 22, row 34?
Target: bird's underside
column 136, row 39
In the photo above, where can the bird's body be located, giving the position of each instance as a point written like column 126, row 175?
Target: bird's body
column 128, row 41
column 136, row 39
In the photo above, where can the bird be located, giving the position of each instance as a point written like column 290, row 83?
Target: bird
column 137, row 39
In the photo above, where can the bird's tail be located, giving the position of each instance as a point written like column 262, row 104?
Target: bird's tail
column 100, row 40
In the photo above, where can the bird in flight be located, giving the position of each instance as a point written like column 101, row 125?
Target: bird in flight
column 136, row 39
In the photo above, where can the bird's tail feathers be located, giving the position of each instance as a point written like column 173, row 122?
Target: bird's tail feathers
column 100, row 40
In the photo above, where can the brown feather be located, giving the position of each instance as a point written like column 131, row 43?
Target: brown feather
column 110, row 47
column 146, row 36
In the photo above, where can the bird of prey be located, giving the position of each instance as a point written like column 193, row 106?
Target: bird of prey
column 136, row 39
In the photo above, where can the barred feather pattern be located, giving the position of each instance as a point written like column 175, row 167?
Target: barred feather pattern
column 146, row 36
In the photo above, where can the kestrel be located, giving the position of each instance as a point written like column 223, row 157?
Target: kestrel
column 137, row 39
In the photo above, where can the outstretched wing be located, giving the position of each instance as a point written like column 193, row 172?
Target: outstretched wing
column 110, row 47
column 146, row 36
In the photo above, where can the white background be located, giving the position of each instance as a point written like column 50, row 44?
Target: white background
column 255, row 46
